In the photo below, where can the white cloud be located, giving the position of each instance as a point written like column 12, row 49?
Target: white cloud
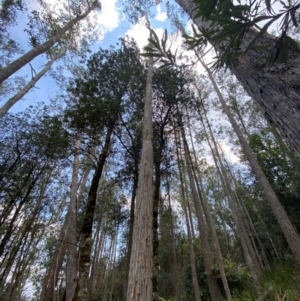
column 158, row 8
column 109, row 16
column 140, row 33
column 161, row 16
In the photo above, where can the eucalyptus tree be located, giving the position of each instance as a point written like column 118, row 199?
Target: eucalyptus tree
column 140, row 286
column 168, row 91
column 130, row 138
column 98, row 107
column 55, row 33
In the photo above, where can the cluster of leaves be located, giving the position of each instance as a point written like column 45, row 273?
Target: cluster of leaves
column 229, row 23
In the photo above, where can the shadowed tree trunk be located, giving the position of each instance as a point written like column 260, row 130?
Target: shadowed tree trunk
column 87, row 225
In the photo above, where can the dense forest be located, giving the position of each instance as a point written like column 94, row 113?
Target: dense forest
column 156, row 173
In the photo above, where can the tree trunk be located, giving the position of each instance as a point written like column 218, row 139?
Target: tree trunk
column 248, row 251
column 291, row 236
column 72, row 268
column 87, row 225
column 141, row 261
column 131, row 223
column 213, row 285
column 30, row 55
column 210, row 223
column 275, row 89
column 191, row 247
column 177, row 282
column 13, row 100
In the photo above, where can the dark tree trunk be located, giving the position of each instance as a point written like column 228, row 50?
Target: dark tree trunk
column 131, row 223
column 87, row 226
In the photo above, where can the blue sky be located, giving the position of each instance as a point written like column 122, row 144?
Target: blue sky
column 110, row 21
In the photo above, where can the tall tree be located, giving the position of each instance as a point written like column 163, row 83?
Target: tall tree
column 141, row 260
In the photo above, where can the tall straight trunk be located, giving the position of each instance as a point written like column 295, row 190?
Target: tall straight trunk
column 156, row 197
column 141, row 261
column 191, row 247
column 248, row 217
column 275, row 90
column 210, row 222
column 288, row 230
column 113, row 263
column 30, row 55
column 72, row 268
column 56, row 262
column 88, row 219
column 177, row 282
column 247, row 247
column 97, row 242
column 131, row 223
column 13, row 100
column 213, row 285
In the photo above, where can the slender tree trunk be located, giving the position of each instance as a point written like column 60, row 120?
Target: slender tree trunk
column 98, row 243
column 291, row 235
column 191, row 247
column 248, row 251
column 177, row 282
column 156, row 197
column 275, row 89
column 131, row 223
column 51, row 277
column 72, row 255
column 13, row 100
column 30, row 55
column 248, row 217
column 87, row 225
column 213, row 285
column 141, row 261
column 210, row 222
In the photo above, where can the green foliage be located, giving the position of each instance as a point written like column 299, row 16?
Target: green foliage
column 281, row 282
column 281, row 167
column 231, row 22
